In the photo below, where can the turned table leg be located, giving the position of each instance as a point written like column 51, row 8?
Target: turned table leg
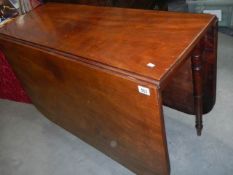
column 197, row 71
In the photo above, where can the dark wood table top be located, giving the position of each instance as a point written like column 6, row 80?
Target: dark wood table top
column 122, row 40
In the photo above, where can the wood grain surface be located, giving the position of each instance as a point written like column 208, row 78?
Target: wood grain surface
column 178, row 93
column 102, row 108
column 124, row 39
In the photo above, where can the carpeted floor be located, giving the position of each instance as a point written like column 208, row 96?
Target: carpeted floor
column 32, row 145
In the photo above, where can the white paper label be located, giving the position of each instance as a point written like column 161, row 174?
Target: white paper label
column 217, row 13
column 150, row 65
column 144, row 90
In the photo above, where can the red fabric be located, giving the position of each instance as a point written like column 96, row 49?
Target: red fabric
column 10, row 87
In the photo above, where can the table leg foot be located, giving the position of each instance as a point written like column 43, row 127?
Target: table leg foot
column 199, row 126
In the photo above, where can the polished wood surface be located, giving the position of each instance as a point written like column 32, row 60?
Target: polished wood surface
column 125, row 40
column 82, row 67
column 102, row 108
column 178, row 94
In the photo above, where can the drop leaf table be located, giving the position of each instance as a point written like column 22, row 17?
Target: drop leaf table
column 105, row 73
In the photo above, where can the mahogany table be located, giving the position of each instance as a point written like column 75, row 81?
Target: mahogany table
column 104, row 73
